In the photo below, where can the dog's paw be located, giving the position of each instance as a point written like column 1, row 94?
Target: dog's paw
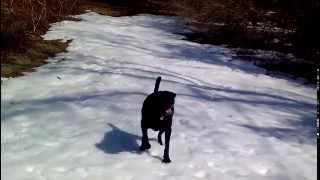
column 166, row 160
column 144, row 147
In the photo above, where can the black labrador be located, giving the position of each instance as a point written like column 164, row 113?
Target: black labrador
column 157, row 112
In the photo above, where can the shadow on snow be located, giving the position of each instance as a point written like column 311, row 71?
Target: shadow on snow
column 117, row 141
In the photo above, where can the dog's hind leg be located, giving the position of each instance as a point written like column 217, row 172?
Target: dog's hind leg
column 159, row 137
column 145, row 140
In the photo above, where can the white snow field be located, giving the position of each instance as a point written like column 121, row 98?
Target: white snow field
column 78, row 117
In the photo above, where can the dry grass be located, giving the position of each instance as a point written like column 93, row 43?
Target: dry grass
column 22, row 24
column 15, row 63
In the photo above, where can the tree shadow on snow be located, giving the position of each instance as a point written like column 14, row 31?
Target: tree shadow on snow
column 302, row 131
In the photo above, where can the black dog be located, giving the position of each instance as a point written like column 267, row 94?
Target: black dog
column 157, row 112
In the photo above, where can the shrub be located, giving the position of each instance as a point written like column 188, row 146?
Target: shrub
column 22, row 17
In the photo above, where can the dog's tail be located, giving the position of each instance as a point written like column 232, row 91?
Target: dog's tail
column 156, row 87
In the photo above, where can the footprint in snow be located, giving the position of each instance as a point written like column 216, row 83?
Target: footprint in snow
column 200, row 174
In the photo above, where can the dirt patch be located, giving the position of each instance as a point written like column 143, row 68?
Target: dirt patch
column 126, row 7
column 267, row 47
column 277, row 63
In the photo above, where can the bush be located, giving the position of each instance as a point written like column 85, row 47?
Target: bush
column 22, row 17
column 22, row 23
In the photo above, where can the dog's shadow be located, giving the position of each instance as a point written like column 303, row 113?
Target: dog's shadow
column 117, row 141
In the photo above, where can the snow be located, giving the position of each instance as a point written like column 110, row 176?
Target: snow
column 78, row 117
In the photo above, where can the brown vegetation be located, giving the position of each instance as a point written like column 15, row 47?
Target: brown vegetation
column 22, row 24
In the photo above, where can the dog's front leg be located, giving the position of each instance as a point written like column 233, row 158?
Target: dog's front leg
column 145, row 140
column 166, row 158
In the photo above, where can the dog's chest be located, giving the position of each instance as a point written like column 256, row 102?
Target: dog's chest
column 166, row 113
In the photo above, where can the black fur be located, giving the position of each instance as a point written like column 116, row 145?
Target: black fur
column 157, row 112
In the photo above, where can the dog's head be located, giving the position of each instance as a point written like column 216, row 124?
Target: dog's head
column 167, row 99
column 168, row 96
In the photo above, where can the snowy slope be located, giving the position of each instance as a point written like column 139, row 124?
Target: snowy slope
column 78, row 117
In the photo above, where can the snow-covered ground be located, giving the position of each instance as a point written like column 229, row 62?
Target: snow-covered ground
column 78, row 117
